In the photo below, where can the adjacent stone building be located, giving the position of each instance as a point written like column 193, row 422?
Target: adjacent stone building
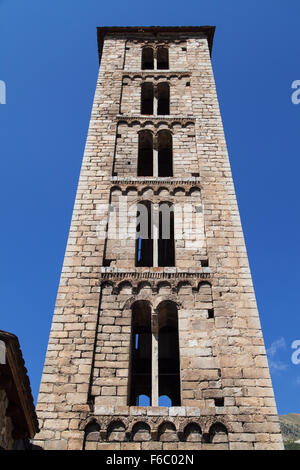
column 156, row 341
column 18, row 420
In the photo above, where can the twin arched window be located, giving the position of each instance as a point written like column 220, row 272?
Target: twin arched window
column 159, row 57
column 155, row 100
column 155, row 368
column 155, row 160
column 155, row 244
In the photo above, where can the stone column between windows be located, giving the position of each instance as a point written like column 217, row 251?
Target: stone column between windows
column 154, row 59
column 155, row 158
column 155, row 234
column 154, row 378
column 155, row 101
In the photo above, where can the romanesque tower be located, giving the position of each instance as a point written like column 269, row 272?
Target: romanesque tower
column 156, row 341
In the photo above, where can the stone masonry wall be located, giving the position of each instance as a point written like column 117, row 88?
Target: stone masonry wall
column 196, row 339
column 180, row 91
column 188, row 251
column 83, row 395
column 185, row 161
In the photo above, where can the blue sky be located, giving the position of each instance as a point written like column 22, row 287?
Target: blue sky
column 48, row 60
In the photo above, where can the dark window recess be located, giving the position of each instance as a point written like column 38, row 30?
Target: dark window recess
column 141, row 352
column 163, row 99
column 145, row 154
column 196, row 175
column 188, row 84
column 165, row 154
column 219, row 401
column 144, row 240
column 119, row 135
column 183, row 48
column 92, row 427
column 168, row 352
column 204, row 263
column 166, row 245
column 163, row 107
column 147, row 95
column 211, row 313
column 206, row 438
column 106, row 262
column 147, row 58
column 162, row 56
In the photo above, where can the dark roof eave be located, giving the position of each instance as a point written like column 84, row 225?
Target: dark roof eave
column 209, row 31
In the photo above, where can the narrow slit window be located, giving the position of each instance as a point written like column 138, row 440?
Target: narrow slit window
column 219, row 401
column 210, row 313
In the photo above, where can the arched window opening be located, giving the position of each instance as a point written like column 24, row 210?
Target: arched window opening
column 147, row 95
column 218, row 433
column 165, row 154
column 116, row 431
column 144, row 240
column 163, row 99
column 166, row 245
column 141, row 353
column 147, row 58
column 145, row 154
column 93, row 426
column 162, row 58
column 168, row 352
column 192, row 433
column 141, row 432
column 167, row 432
column 91, row 433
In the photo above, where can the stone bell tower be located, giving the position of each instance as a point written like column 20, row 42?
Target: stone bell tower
column 156, row 341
